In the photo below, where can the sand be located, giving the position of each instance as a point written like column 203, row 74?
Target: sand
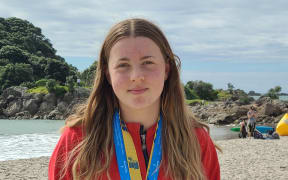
column 241, row 159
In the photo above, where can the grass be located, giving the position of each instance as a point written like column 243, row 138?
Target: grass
column 198, row 101
column 40, row 89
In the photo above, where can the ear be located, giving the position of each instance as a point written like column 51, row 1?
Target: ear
column 167, row 70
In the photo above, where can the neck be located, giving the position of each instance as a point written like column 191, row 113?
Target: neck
column 146, row 117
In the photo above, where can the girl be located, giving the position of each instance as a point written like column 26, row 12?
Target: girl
column 135, row 124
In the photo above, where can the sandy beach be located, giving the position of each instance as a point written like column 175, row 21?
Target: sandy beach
column 241, row 159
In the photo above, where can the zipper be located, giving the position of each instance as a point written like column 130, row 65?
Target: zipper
column 143, row 144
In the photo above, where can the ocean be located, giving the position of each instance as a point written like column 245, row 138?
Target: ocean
column 283, row 98
column 23, row 139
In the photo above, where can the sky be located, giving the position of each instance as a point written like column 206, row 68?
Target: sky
column 243, row 42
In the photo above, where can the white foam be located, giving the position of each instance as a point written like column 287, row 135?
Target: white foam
column 26, row 146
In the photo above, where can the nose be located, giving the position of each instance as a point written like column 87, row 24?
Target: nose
column 137, row 75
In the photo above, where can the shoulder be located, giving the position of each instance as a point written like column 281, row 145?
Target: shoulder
column 71, row 135
column 209, row 156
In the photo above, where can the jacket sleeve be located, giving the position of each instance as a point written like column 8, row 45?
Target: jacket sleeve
column 68, row 140
column 208, row 155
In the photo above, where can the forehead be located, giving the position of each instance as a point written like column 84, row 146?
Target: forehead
column 134, row 46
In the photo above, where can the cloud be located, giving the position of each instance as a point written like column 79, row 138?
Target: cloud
column 238, row 31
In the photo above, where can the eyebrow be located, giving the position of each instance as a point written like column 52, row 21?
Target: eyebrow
column 142, row 58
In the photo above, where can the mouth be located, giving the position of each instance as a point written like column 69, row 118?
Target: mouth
column 138, row 90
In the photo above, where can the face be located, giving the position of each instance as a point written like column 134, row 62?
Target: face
column 137, row 72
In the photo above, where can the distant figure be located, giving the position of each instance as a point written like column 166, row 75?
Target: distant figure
column 243, row 131
column 78, row 82
column 251, row 121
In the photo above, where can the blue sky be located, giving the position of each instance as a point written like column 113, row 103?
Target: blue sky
column 243, row 42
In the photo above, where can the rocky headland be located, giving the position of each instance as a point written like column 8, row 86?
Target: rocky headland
column 16, row 103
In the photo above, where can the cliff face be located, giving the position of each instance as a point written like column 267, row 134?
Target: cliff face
column 15, row 103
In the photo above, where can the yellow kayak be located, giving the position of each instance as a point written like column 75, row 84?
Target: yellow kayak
column 282, row 126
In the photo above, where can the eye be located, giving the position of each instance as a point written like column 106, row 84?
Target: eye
column 148, row 62
column 122, row 65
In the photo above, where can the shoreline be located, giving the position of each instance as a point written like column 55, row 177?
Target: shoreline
column 241, row 159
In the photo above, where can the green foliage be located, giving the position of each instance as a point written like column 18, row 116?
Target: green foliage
column 196, row 101
column 245, row 100
column 70, row 83
column 4, row 62
column 87, row 76
column 56, row 70
column 13, row 54
column 51, row 85
column 230, row 87
column 223, row 95
column 60, row 90
column 190, row 93
column 273, row 93
column 40, row 89
column 41, row 82
column 15, row 74
column 28, row 84
column 22, row 42
column 203, row 90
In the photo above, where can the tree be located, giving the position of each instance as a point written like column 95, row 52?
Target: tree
column 204, row 90
column 70, row 82
column 15, row 74
column 190, row 93
column 88, row 74
column 13, row 54
column 230, row 88
column 56, row 70
column 273, row 93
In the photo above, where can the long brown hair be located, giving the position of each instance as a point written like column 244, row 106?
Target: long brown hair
column 93, row 155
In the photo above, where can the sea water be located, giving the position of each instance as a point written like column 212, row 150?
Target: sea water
column 23, row 139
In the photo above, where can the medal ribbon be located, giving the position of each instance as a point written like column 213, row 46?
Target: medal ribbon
column 126, row 155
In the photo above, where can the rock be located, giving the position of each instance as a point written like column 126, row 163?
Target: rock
column 62, row 106
column 68, row 97
column 16, row 91
column 46, row 107
column 262, row 100
column 13, row 108
column 23, row 115
column 10, row 98
column 36, row 117
column 81, row 92
column 239, row 111
column 50, row 99
column 55, row 114
column 221, row 118
column 31, row 105
column 38, row 97
column 272, row 109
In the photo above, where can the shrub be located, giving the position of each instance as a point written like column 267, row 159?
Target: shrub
column 60, row 91
column 223, row 95
column 28, row 84
column 41, row 82
column 51, row 85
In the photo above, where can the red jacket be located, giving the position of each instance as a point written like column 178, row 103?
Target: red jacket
column 72, row 136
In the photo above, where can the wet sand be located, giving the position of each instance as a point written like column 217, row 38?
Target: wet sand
column 241, row 159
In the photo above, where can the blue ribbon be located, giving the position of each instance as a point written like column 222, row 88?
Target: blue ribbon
column 121, row 153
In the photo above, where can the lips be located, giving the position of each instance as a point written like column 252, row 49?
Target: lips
column 138, row 90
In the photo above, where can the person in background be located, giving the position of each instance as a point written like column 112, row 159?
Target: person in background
column 135, row 124
column 243, row 131
column 251, row 114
